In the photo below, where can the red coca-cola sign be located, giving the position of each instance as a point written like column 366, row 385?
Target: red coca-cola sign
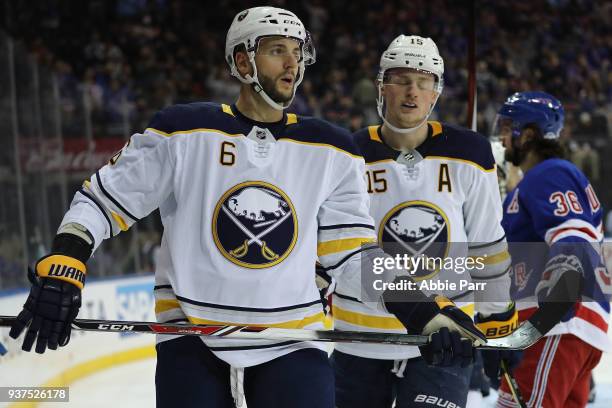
column 76, row 154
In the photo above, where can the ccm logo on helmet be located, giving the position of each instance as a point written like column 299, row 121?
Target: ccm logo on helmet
column 120, row 327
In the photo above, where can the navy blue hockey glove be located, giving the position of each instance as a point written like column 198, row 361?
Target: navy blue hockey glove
column 54, row 299
column 453, row 334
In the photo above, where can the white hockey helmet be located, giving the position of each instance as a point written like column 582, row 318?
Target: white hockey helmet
column 249, row 26
column 414, row 52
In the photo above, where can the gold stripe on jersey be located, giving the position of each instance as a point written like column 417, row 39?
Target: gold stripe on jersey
column 373, row 131
column 289, row 324
column 478, row 166
column 496, row 258
column 120, row 221
column 291, row 119
column 227, row 109
column 163, row 305
column 380, row 161
column 185, row 132
column 365, row 320
column 378, row 322
column 341, row 245
column 436, row 128
column 321, row 145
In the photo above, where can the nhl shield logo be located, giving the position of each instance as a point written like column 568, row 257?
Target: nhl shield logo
column 255, row 225
column 416, row 228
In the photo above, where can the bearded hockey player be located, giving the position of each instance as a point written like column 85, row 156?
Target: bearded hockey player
column 553, row 225
column 249, row 196
column 433, row 190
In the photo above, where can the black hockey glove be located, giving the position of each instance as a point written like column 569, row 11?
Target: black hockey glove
column 55, row 296
column 452, row 333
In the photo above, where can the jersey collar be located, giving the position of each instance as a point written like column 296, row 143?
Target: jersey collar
column 276, row 128
column 433, row 130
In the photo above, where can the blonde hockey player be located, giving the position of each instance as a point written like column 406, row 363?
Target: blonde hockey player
column 434, row 195
column 249, row 196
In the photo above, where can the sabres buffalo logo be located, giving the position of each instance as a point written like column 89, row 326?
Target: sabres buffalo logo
column 255, row 225
column 418, row 229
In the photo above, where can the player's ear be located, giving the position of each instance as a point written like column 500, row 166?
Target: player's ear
column 527, row 135
column 434, row 95
column 243, row 65
column 382, row 88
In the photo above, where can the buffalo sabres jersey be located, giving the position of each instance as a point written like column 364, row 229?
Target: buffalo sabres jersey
column 247, row 208
column 555, row 205
column 440, row 200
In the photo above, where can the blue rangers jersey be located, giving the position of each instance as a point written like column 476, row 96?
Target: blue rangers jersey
column 555, row 205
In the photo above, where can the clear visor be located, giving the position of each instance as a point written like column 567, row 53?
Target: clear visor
column 502, row 126
column 308, row 50
column 423, row 80
column 305, row 53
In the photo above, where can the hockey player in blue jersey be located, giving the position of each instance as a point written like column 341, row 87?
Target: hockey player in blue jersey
column 552, row 221
column 249, row 196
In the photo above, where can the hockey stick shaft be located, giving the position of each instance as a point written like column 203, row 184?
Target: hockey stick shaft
column 241, row 332
column 253, row 332
column 561, row 299
column 512, row 384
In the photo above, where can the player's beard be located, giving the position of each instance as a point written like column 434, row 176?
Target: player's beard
column 516, row 155
column 269, row 87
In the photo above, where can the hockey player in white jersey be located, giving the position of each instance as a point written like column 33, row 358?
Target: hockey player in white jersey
column 249, row 197
column 434, row 192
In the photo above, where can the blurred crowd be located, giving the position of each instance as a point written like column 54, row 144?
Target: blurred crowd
column 119, row 61
column 135, row 56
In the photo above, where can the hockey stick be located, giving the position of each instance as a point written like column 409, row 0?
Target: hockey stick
column 512, row 384
column 261, row 333
column 241, row 332
column 557, row 304
column 521, row 338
